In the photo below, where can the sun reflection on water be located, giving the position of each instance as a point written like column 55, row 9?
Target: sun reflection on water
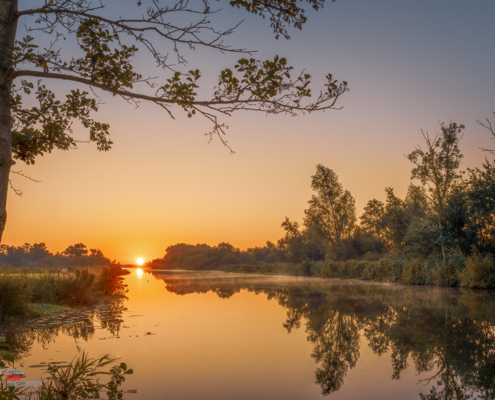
column 139, row 273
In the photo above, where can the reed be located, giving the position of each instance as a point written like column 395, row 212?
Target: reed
column 21, row 288
column 79, row 380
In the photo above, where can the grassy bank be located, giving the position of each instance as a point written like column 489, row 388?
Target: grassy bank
column 475, row 271
column 44, row 291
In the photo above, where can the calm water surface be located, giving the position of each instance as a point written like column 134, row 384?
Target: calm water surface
column 211, row 335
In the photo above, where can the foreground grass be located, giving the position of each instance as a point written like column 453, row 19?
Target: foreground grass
column 47, row 291
column 78, row 380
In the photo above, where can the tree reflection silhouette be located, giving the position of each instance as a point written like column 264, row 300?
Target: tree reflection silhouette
column 447, row 333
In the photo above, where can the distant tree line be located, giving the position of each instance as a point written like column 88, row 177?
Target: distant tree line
column 38, row 255
column 442, row 232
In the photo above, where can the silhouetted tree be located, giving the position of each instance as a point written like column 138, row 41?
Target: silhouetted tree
column 76, row 250
column 437, row 168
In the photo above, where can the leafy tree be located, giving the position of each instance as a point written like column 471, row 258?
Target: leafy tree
column 395, row 219
column 76, row 250
column 422, row 238
column 96, row 253
column 105, row 62
column 416, row 202
column 268, row 253
column 390, row 222
column 373, row 218
column 332, row 209
column 292, row 244
column 39, row 250
column 437, row 167
column 469, row 219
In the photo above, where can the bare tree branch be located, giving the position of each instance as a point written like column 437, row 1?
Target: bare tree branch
column 25, row 176
column 490, row 127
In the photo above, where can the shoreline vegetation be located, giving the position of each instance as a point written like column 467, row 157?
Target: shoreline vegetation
column 80, row 379
column 441, row 233
column 475, row 271
column 40, row 291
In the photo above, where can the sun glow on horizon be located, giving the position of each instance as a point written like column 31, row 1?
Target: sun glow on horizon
column 140, row 261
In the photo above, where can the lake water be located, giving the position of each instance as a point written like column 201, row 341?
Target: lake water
column 213, row 335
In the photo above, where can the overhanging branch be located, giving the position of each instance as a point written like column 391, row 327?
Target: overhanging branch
column 164, row 100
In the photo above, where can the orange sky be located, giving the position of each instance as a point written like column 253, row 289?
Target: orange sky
column 409, row 65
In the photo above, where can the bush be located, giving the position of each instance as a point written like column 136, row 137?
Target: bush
column 306, row 267
column 358, row 269
column 416, row 272
column 479, row 272
column 330, row 269
column 111, row 282
column 15, row 297
column 316, row 268
column 447, row 273
column 387, row 269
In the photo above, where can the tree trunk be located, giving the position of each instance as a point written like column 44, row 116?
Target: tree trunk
column 8, row 26
column 442, row 237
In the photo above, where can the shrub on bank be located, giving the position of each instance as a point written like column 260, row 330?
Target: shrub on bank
column 416, row 272
column 448, row 273
column 479, row 272
column 15, row 297
column 475, row 271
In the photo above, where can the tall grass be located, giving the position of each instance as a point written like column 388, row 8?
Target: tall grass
column 22, row 287
column 79, row 380
column 15, row 296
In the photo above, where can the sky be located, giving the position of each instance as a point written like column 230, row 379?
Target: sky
column 410, row 65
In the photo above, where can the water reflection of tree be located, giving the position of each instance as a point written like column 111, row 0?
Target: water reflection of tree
column 336, row 349
column 444, row 333
column 80, row 326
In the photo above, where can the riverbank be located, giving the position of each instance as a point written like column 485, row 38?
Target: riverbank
column 31, row 292
column 475, row 271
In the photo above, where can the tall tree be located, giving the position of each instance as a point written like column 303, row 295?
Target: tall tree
column 292, row 244
column 395, row 219
column 105, row 62
column 332, row 209
column 373, row 218
column 437, row 168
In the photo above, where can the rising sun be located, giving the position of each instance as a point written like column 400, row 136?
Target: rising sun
column 140, row 261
